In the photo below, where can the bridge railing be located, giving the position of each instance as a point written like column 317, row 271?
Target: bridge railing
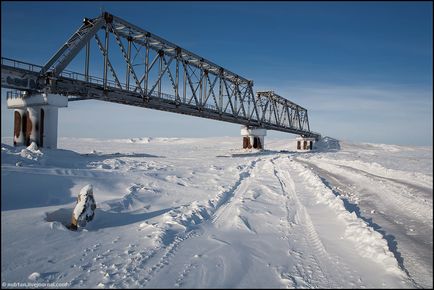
column 80, row 77
column 21, row 64
column 13, row 94
column 88, row 78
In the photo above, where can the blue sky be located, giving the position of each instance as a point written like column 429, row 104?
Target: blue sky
column 362, row 69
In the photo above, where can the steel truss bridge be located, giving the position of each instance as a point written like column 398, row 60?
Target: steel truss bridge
column 135, row 67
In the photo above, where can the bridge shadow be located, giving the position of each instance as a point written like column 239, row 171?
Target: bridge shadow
column 351, row 207
column 22, row 190
column 119, row 155
column 256, row 153
column 274, row 152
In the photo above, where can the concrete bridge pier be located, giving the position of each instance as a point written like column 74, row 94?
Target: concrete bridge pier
column 305, row 143
column 253, row 137
column 36, row 118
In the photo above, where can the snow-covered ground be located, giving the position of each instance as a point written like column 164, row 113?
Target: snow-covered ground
column 185, row 212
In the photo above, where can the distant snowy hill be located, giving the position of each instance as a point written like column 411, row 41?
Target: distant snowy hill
column 203, row 213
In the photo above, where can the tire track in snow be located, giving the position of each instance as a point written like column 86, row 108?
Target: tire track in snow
column 224, row 202
column 407, row 186
column 367, row 241
column 165, row 253
column 403, row 201
column 409, row 262
column 413, row 179
column 317, row 268
column 406, row 183
column 313, row 273
column 397, row 193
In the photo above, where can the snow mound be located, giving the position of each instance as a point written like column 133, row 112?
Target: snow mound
column 33, row 156
column 34, row 276
column 31, row 152
column 141, row 140
column 188, row 216
column 327, row 144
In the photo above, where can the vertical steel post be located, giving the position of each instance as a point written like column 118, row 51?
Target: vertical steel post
column 299, row 119
column 249, row 99
column 184, row 94
column 177, row 79
column 235, row 94
column 86, row 65
column 205, row 93
column 160, row 70
column 200, row 87
column 146, row 67
column 106, row 56
column 221, row 93
column 289, row 116
column 128, row 64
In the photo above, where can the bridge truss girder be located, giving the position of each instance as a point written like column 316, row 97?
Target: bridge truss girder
column 160, row 75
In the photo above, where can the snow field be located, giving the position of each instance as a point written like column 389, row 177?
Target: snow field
column 174, row 212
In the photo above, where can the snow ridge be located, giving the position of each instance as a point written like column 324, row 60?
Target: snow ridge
column 369, row 243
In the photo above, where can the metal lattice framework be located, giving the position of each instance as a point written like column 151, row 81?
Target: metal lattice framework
column 282, row 112
column 142, row 69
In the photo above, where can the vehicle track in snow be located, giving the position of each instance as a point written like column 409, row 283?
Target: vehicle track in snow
column 225, row 203
column 372, row 203
column 306, row 187
column 308, row 260
column 309, row 268
column 143, row 268
column 404, row 198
